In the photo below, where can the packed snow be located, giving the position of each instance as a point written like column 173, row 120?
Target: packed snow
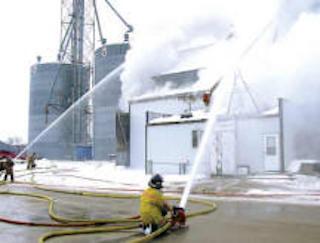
column 103, row 176
column 93, row 175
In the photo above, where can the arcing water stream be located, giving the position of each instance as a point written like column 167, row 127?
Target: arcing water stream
column 215, row 109
column 206, row 139
column 91, row 92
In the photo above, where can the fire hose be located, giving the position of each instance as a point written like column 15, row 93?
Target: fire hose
column 128, row 223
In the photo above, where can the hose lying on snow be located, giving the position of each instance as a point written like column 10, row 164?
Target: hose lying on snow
column 126, row 223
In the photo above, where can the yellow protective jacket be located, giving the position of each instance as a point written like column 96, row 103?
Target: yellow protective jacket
column 151, row 203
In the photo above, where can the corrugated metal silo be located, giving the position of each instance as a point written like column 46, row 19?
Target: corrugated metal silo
column 51, row 89
column 107, row 58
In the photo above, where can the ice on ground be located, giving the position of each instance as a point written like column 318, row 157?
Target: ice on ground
column 297, row 181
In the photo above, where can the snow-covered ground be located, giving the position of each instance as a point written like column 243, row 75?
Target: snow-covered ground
column 92, row 175
column 106, row 176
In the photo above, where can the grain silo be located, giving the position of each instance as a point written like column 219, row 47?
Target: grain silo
column 54, row 87
column 57, row 144
column 51, row 92
column 106, row 106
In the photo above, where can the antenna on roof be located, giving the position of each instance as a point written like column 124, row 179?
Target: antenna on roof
column 236, row 90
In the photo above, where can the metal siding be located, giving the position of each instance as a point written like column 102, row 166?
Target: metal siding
column 57, row 143
column 172, row 105
column 106, row 103
column 249, row 141
column 172, row 144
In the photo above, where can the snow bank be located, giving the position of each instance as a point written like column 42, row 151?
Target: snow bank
column 296, row 165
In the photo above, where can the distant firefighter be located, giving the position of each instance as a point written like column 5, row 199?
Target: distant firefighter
column 31, row 161
column 7, row 166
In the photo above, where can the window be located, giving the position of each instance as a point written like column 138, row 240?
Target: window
column 196, row 138
column 271, row 145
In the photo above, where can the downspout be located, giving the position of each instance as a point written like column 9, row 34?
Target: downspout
column 281, row 136
column 129, row 147
column 236, row 155
column 146, row 143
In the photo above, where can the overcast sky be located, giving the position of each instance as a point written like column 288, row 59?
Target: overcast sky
column 31, row 28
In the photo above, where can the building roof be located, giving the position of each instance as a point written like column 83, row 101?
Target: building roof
column 192, row 59
column 194, row 116
column 271, row 112
column 169, row 94
column 202, row 116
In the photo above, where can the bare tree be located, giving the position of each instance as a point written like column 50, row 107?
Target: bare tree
column 15, row 140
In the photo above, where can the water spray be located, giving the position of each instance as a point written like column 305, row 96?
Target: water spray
column 203, row 144
column 104, row 81
column 214, row 111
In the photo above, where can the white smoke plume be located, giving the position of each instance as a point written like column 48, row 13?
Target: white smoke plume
column 289, row 68
column 271, row 68
column 281, row 67
column 290, row 11
column 284, row 62
column 156, row 47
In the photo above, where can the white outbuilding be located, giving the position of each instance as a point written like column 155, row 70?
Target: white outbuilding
column 161, row 131
column 165, row 132
column 247, row 143
column 172, row 143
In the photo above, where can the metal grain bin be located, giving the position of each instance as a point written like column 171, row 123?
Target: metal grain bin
column 105, row 105
column 50, row 96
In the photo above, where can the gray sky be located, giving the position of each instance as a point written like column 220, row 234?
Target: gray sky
column 31, row 28
column 28, row 28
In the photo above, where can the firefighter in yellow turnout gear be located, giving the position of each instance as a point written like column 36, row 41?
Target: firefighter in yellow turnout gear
column 153, row 207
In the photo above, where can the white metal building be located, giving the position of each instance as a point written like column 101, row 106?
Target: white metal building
column 172, row 143
column 247, row 144
column 162, row 140
column 144, row 110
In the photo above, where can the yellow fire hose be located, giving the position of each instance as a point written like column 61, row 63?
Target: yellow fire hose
column 130, row 223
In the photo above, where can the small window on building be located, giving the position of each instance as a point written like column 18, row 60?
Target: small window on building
column 271, row 145
column 196, row 138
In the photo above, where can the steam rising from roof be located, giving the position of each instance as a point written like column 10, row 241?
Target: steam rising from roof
column 161, row 47
column 283, row 62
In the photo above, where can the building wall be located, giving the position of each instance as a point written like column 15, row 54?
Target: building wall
column 243, row 141
column 250, row 141
column 171, row 144
column 223, row 144
column 168, row 105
